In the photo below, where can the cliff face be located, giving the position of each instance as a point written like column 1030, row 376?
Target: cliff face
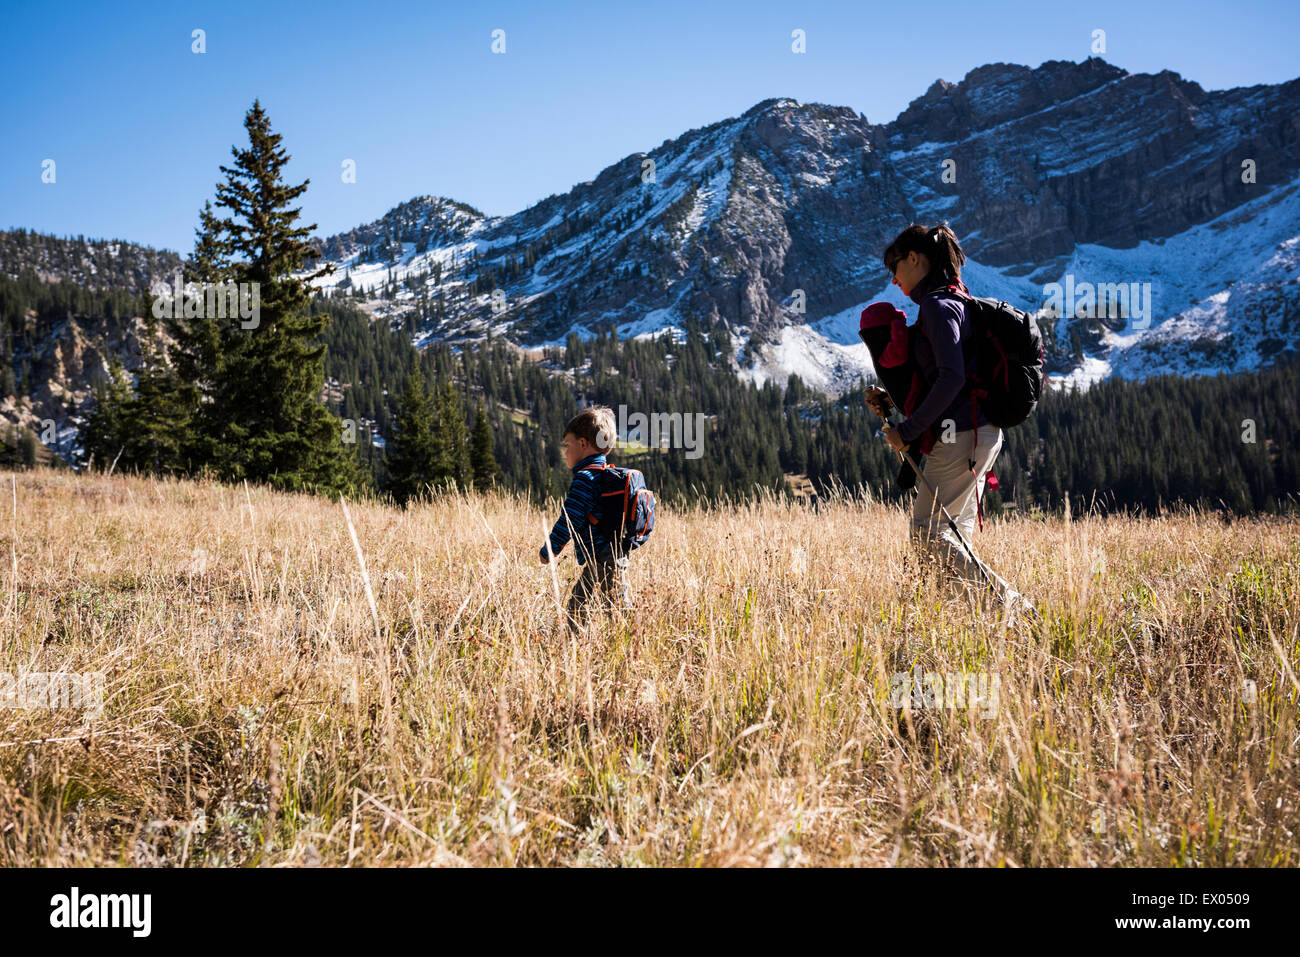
column 61, row 362
column 54, row 354
column 773, row 222
column 1070, row 154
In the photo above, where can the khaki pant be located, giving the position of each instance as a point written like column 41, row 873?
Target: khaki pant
column 603, row 578
column 948, row 470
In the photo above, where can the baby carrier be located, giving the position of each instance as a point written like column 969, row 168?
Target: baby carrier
column 888, row 338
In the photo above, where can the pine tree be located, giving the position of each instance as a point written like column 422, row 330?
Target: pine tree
column 414, row 456
column 453, row 445
column 266, row 421
column 9, row 451
column 157, row 418
column 196, row 356
column 27, row 446
column 106, row 434
column 483, row 464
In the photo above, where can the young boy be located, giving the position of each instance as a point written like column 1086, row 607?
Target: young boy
column 587, row 437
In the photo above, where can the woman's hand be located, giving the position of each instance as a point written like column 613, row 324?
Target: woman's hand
column 894, row 439
column 877, row 398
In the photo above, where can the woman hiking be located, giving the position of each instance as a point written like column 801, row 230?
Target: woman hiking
column 925, row 262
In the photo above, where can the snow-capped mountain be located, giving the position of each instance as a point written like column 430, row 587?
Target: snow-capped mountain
column 1071, row 185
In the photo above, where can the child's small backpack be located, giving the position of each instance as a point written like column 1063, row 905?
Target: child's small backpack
column 626, row 513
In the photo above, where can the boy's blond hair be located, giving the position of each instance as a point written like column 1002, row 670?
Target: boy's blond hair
column 596, row 425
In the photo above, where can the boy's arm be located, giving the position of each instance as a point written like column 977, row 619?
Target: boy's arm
column 578, row 504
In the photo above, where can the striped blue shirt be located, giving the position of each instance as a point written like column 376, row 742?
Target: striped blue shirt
column 581, row 501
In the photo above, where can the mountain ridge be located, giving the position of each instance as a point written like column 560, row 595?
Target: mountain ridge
column 771, row 223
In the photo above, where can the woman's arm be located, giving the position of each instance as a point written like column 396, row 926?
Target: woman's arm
column 941, row 323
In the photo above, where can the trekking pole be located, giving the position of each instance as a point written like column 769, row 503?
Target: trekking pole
column 947, row 517
column 934, row 494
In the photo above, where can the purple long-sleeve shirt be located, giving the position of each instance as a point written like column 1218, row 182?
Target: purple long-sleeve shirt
column 943, row 353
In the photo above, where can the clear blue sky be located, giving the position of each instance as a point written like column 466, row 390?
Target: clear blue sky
column 138, row 124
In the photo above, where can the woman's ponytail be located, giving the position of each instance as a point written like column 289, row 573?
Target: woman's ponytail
column 938, row 243
column 948, row 255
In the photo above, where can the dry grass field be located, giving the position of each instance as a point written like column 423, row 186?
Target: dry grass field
column 259, row 710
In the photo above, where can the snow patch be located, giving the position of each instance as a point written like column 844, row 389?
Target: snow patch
column 819, row 362
column 655, row 322
column 1090, row 371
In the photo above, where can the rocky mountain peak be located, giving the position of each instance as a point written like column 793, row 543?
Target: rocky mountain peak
column 994, row 93
column 771, row 223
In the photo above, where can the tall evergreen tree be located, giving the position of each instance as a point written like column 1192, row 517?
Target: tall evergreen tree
column 414, row 456
column 483, row 464
column 196, row 357
column 266, row 420
column 9, row 451
column 453, row 445
column 159, row 414
column 27, row 449
column 104, row 436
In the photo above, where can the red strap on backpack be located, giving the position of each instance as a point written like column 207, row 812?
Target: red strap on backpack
column 591, row 516
column 975, row 429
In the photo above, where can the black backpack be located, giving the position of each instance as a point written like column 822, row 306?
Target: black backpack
column 1007, row 381
column 626, row 512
